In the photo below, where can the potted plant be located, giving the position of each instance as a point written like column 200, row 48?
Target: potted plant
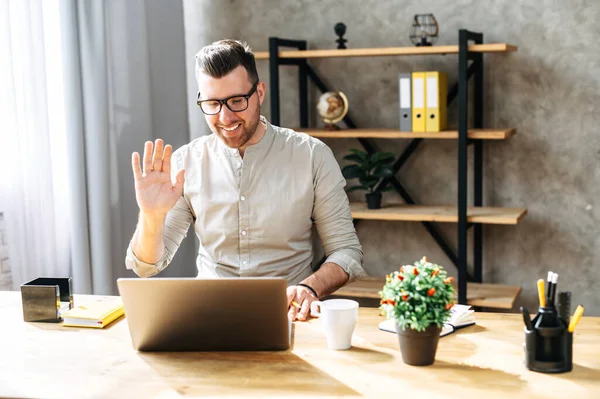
column 369, row 169
column 419, row 298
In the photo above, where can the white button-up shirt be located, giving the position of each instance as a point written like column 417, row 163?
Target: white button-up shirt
column 254, row 216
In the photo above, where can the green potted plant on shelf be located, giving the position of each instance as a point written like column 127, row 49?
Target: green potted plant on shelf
column 419, row 299
column 369, row 169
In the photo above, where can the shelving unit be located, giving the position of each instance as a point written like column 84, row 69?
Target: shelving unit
column 470, row 51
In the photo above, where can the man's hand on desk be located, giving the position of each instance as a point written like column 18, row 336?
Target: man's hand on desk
column 300, row 296
column 323, row 282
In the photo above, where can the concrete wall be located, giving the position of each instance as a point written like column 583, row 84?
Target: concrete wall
column 548, row 91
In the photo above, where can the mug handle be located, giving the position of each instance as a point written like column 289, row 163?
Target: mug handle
column 313, row 308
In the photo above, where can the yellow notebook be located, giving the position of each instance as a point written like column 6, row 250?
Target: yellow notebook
column 94, row 313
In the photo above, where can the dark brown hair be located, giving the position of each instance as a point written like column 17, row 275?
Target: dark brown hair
column 220, row 58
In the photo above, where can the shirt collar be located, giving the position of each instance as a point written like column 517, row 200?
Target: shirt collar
column 257, row 148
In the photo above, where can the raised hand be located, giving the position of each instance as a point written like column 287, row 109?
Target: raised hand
column 155, row 193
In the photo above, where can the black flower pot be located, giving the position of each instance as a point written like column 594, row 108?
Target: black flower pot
column 419, row 347
column 373, row 200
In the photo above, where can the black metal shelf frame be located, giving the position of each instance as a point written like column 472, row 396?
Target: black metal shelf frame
column 470, row 65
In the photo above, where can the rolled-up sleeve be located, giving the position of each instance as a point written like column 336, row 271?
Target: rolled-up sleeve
column 332, row 216
column 177, row 224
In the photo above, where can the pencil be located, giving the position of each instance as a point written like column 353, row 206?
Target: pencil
column 296, row 304
column 575, row 319
column 540, row 284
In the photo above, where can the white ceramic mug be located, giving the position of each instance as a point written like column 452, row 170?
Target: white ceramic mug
column 339, row 317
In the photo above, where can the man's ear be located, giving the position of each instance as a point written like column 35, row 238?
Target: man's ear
column 261, row 89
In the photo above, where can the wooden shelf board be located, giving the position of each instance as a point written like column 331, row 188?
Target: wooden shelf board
column 482, row 134
column 387, row 51
column 498, row 296
column 429, row 213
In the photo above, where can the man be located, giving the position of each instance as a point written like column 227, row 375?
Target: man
column 252, row 190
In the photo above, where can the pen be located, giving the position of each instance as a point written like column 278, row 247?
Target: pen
column 548, row 288
column 553, row 293
column 296, row 304
column 575, row 319
column 527, row 318
column 541, row 295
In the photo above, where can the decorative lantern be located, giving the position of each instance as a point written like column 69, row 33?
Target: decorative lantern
column 424, row 30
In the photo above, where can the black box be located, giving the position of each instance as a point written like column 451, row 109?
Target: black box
column 42, row 298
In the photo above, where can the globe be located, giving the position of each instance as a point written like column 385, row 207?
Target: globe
column 332, row 107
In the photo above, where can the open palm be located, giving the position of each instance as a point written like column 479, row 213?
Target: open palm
column 155, row 193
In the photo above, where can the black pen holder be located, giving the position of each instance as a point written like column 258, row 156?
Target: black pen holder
column 549, row 346
column 42, row 298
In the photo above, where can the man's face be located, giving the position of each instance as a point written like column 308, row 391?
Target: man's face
column 236, row 129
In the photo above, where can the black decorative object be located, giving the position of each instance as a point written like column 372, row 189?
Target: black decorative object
column 549, row 345
column 42, row 298
column 425, row 30
column 373, row 200
column 340, row 30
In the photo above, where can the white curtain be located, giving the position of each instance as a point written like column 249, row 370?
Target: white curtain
column 34, row 172
column 88, row 82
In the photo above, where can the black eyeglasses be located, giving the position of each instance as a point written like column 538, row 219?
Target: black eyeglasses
column 234, row 103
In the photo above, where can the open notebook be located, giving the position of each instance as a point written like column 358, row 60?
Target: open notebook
column 460, row 316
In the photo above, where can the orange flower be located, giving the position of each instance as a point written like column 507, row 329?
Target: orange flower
column 405, row 298
column 415, row 271
column 402, row 269
column 431, row 292
column 424, row 258
column 449, row 306
column 435, row 272
column 449, row 280
column 400, row 277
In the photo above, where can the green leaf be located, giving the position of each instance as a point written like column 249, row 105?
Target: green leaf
column 354, row 157
column 353, row 172
column 383, row 171
column 363, row 155
column 382, row 157
column 369, row 181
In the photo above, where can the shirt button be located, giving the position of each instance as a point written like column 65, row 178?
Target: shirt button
column 244, row 263
column 239, row 164
column 243, row 232
column 243, row 198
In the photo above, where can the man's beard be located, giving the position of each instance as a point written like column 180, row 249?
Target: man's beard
column 240, row 139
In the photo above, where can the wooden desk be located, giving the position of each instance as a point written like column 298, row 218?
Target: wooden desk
column 482, row 361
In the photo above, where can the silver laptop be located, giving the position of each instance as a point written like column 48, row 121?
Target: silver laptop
column 189, row 314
